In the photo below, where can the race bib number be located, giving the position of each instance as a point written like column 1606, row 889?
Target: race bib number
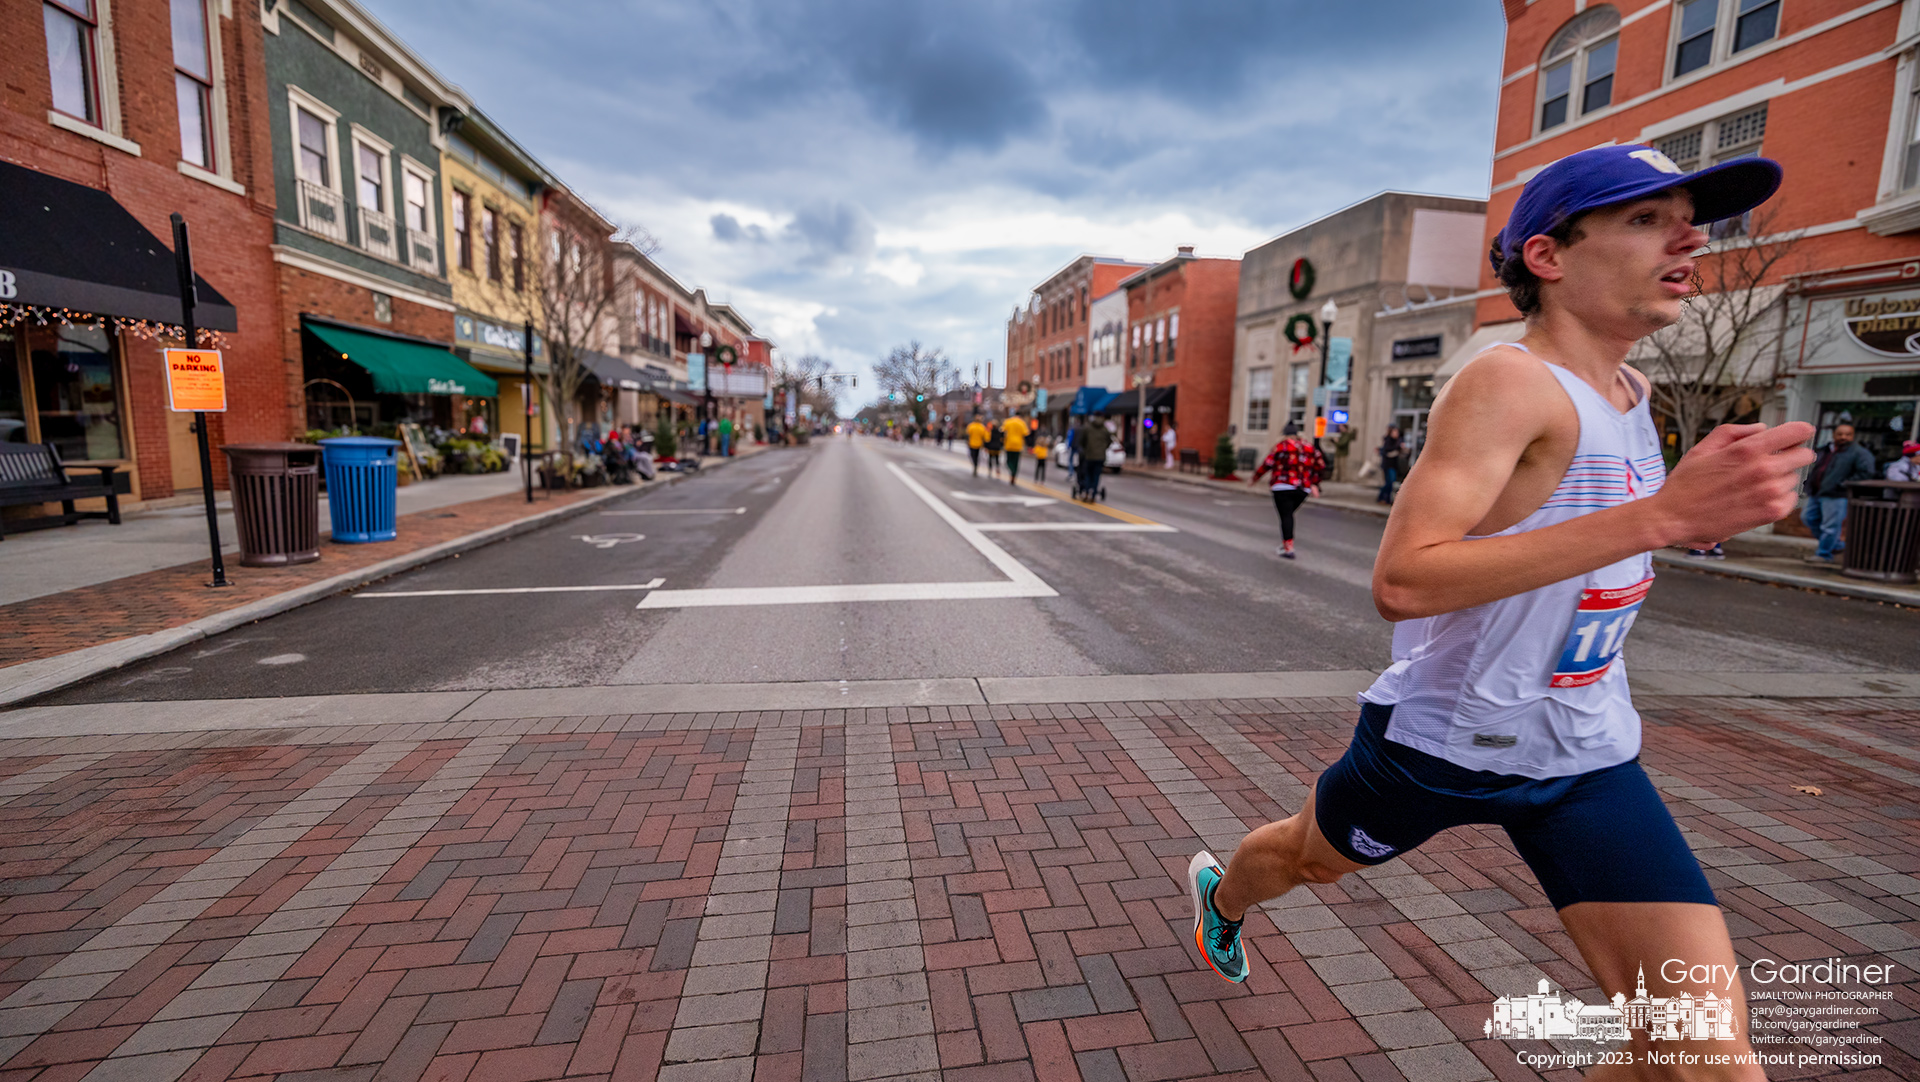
column 1600, row 626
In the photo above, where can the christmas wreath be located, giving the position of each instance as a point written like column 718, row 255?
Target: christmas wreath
column 1300, row 330
column 726, row 355
column 1300, row 279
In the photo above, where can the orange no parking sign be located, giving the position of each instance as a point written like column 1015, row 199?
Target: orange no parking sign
column 195, row 381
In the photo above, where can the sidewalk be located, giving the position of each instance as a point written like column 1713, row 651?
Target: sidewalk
column 969, row 893
column 113, row 617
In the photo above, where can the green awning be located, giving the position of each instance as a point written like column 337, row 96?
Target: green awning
column 399, row 366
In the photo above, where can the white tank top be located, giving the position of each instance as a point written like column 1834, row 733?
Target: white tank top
column 1534, row 684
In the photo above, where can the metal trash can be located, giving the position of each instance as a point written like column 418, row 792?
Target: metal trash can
column 276, row 502
column 1882, row 531
column 363, row 483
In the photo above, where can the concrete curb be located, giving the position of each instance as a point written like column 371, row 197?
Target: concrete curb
column 31, row 679
column 1862, row 590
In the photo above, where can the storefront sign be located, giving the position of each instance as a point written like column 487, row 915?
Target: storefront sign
column 512, row 339
column 195, row 381
column 1407, row 349
column 445, row 386
column 1886, row 325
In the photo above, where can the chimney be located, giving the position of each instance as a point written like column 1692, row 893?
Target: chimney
column 1186, row 250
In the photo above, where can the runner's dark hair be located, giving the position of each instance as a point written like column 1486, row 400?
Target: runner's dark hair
column 1523, row 286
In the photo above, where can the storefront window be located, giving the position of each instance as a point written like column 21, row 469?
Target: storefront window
column 75, row 391
column 1881, row 427
column 13, row 403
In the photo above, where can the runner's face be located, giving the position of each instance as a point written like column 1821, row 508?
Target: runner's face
column 1633, row 268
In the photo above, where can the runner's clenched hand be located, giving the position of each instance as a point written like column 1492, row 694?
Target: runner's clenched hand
column 1739, row 477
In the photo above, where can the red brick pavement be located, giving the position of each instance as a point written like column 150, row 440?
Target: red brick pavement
column 158, row 600
column 542, row 928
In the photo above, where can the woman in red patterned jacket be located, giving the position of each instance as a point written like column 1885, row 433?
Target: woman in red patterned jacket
column 1297, row 467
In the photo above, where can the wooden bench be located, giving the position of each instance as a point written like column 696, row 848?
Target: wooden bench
column 32, row 473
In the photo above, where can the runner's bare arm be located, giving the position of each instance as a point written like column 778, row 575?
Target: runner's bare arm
column 1497, row 411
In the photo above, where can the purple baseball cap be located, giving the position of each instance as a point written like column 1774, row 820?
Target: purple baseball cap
column 1604, row 176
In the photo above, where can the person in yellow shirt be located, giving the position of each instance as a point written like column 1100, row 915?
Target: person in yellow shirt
column 1016, row 432
column 976, row 439
column 1042, row 448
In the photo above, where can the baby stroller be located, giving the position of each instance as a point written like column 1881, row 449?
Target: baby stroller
column 1087, row 479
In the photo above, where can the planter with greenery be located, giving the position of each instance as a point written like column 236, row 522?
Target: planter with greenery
column 1224, row 459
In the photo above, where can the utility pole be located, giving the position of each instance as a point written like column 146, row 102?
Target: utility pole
column 526, row 452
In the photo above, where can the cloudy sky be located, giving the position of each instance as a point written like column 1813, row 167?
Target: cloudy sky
column 853, row 174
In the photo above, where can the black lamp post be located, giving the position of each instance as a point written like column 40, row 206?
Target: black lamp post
column 1328, row 313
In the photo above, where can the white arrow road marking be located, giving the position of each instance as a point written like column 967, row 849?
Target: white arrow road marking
column 608, row 540
column 1023, row 501
column 1020, row 582
column 653, row 585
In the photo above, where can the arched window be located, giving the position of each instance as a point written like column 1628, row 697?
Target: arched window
column 1576, row 72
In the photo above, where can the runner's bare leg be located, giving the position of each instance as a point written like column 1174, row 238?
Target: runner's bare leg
column 1617, row 938
column 1277, row 858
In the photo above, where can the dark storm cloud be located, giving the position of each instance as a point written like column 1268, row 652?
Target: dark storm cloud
column 813, row 154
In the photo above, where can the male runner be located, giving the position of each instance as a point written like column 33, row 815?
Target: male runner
column 1514, row 562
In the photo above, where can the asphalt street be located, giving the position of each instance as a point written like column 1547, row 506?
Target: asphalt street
column 864, row 559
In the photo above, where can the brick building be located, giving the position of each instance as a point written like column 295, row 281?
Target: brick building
column 358, row 124
column 1047, row 338
column 1827, row 88
column 112, row 120
column 1178, row 337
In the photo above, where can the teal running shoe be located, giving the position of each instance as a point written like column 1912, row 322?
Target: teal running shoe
column 1217, row 937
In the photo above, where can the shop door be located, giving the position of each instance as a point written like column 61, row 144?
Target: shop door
column 183, row 452
column 1413, row 433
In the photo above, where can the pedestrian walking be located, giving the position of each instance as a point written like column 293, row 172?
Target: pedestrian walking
column 996, row 445
column 1070, row 447
column 1504, row 705
column 1014, row 435
column 726, row 437
column 1093, row 441
column 1171, row 442
column 1825, row 513
column 1296, row 467
column 976, row 439
column 1907, row 466
column 1391, row 450
column 1042, row 448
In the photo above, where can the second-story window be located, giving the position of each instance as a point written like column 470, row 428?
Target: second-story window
column 72, row 64
column 462, row 230
column 1576, row 72
column 372, row 178
column 315, row 163
column 490, row 242
column 193, row 82
column 516, row 248
column 1731, row 137
column 1709, row 30
column 416, row 199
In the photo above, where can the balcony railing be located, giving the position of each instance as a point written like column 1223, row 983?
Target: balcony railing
column 424, row 249
column 322, row 211
column 376, row 233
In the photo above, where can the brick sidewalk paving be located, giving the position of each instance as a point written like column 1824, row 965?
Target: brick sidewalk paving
column 970, row 894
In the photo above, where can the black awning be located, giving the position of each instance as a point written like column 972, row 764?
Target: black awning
column 610, row 371
column 70, row 246
column 1158, row 398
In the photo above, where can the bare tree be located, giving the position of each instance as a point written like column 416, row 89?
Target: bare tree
column 811, row 379
column 574, row 293
column 916, row 374
column 1725, row 356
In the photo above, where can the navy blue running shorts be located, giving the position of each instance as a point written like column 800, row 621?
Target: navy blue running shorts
column 1602, row 836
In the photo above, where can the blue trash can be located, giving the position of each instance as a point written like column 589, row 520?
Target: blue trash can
column 363, row 483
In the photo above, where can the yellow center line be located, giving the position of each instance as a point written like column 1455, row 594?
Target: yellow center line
column 1110, row 512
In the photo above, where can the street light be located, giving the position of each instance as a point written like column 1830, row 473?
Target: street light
column 1328, row 313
